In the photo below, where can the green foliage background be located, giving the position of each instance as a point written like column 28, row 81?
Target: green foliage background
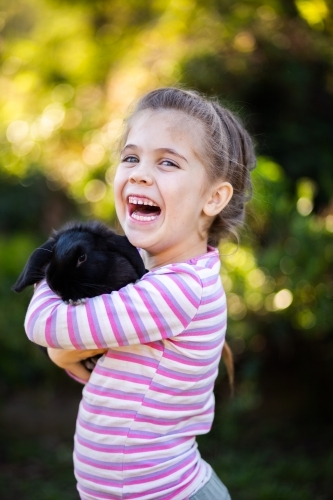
column 69, row 72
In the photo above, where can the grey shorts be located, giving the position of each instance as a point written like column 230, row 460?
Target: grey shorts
column 213, row 490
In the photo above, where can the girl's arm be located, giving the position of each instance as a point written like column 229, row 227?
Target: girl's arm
column 158, row 306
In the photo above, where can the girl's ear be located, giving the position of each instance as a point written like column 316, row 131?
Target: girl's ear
column 218, row 198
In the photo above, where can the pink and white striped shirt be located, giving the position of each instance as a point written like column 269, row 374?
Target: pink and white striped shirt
column 152, row 392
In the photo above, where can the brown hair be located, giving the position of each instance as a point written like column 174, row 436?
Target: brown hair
column 227, row 148
column 229, row 155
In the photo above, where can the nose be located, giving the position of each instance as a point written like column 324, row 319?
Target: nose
column 141, row 174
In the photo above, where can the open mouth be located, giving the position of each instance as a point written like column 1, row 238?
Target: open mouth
column 143, row 209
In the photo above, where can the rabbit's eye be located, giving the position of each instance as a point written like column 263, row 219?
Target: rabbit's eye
column 81, row 259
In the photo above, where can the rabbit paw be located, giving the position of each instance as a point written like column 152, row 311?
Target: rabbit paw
column 76, row 302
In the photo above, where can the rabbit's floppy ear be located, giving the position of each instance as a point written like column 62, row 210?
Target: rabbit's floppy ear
column 120, row 244
column 34, row 268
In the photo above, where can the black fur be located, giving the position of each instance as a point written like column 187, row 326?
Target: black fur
column 83, row 260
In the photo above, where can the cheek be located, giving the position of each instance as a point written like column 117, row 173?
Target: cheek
column 118, row 182
column 118, row 185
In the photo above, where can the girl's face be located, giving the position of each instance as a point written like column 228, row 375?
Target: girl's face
column 161, row 187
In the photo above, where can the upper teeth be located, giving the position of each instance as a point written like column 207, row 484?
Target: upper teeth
column 141, row 201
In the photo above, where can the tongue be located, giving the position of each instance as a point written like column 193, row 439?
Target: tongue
column 147, row 210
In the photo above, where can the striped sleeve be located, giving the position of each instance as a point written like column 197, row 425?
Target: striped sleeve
column 159, row 306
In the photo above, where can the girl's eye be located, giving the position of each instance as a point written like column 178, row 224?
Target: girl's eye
column 169, row 163
column 130, row 159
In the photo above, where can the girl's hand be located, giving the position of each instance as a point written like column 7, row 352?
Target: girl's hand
column 70, row 360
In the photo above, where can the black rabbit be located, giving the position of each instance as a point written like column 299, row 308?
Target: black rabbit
column 83, row 260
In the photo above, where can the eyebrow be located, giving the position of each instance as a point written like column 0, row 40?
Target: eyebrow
column 158, row 150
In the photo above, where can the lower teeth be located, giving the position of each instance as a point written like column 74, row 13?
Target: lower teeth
column 145, row 218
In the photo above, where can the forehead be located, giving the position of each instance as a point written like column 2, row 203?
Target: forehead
column 167, row 125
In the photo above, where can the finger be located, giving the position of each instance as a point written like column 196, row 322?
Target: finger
column 79, row 371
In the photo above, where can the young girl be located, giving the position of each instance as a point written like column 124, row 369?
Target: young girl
column 181, row 185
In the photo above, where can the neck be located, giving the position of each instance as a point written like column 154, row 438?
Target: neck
column 153, row 261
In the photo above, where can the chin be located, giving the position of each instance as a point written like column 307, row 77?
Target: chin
column 138, row 240
column 139, row 235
